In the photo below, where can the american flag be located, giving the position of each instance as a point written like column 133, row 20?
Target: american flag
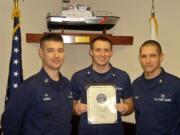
column 15, row 77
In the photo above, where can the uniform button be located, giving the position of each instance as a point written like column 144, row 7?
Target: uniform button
column 88, row 72
column 160, row 81
column 46, row 80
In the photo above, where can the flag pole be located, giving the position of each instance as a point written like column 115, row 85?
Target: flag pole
column 15, row 3
column 152, row 9
column 153, row 24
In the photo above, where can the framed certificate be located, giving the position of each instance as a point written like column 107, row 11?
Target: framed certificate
column 101, row 104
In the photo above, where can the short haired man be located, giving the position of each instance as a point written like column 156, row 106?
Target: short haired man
column 101, row 72
column 156, row 94
column 42, row 105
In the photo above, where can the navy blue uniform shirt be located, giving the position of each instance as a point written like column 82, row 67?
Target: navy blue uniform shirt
column 40, row 106
column 157, row 105
column 88, row 76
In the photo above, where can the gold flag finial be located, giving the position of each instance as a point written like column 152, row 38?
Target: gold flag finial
column 16, row 3
column 16, row 11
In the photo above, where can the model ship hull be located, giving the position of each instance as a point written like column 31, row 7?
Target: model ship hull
column 95, row 23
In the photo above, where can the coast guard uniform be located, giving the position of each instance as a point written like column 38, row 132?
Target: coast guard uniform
column 157, row 105
column 88, row 76
column 40, row 106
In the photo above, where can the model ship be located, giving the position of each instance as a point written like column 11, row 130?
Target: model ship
column 80, row 17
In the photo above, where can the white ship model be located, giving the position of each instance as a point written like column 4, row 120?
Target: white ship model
column 80, row 17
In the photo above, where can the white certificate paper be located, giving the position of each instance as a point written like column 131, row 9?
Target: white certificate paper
column 101, row 103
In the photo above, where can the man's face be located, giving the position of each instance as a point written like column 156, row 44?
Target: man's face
column 101, row 53
column 52, row 55
column 150, row 59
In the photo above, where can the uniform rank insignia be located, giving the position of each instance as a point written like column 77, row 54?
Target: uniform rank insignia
column 46, row 97
column 119, row 88
column 70, row 95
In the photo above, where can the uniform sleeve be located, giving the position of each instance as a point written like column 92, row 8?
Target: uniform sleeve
column 177, row 96
column 75, row 89
column 127, row 88
column 13, row 116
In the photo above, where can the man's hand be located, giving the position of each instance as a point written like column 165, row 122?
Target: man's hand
column 122, row 108
column 80, row 108
column 126, row 107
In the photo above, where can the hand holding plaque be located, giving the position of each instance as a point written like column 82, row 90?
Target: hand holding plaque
column 101, row 102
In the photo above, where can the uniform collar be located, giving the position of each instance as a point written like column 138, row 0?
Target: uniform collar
column 159, row 79
column 46, row 78
column 109, row 75
column 90, row 70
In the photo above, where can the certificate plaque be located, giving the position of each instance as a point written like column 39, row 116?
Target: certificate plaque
column 101, row 104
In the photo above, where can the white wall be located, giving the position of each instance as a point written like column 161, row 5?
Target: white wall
column 134, row 22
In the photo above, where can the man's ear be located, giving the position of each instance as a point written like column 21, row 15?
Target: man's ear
column 90, row 52
column 162, row 57
column 40, row 52
column 111, row 53
column 139, row 58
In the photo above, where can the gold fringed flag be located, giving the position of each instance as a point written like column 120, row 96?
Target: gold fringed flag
column 153, row 24
column 15, row 77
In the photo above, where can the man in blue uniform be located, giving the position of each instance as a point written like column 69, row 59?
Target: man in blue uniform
column 101, row 72
column 156, row 95
column 42, row 105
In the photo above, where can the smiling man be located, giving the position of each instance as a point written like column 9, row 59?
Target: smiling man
column 156, row 94
column 42, row 105
column 101, row 72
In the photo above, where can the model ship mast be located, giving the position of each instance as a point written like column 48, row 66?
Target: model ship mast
column 65, row 4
